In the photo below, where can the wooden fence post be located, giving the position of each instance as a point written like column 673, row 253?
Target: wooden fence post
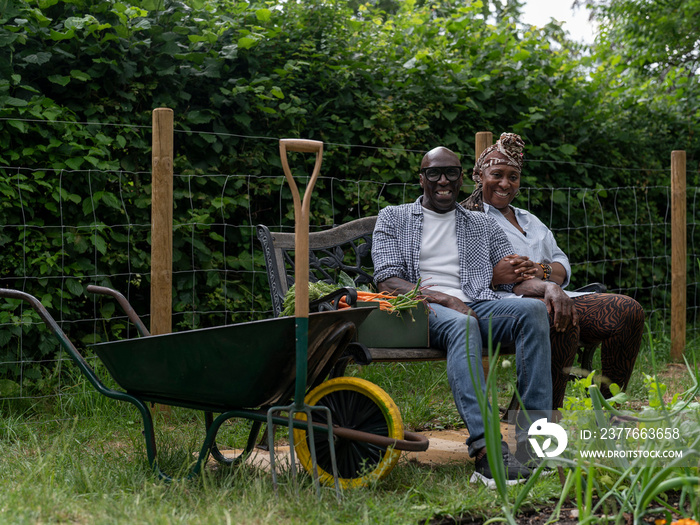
column 483, row 140
column 162, row 222
column 678, row 254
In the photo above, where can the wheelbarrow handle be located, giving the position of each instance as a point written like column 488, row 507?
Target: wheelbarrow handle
column 128, row 309
column 412, row 441
column 62, row 338
column 90, row 374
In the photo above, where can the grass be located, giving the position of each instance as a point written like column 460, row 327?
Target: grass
column 83, row 461
column 93, row 470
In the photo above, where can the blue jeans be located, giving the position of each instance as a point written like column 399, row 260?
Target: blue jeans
column 521, row 322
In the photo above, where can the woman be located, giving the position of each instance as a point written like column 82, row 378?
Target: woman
column 616, row 321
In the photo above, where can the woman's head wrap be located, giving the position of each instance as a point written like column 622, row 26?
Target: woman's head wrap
column 507, row 150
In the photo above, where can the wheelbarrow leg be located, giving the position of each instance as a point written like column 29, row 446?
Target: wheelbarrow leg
column 250, row 444
column 209, row 444
column 148, row 434
column 150, row 437
column 207, row 447
column 263, row 443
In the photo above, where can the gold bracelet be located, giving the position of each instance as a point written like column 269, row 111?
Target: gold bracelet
column 547, row 269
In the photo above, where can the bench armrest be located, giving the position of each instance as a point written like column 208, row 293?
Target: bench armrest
column 332, row 300
column 593, row 287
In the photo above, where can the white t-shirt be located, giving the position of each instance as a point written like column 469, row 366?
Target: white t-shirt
column 439, row 258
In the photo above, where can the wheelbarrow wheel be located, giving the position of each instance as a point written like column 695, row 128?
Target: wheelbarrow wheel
column 360, row 405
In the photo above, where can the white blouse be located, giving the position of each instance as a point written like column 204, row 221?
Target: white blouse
column 538, row 242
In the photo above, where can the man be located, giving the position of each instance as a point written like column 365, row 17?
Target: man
column 454, row 252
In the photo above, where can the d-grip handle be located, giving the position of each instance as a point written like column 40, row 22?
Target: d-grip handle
column 301, row 217
column 301, row 209
column 301, row 145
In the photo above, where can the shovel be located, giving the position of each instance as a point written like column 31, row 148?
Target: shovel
column 301, row 312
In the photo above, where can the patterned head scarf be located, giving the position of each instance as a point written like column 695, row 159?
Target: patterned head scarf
column 507, row 150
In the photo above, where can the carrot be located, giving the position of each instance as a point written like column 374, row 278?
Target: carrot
column 383, row 304
column 390, row 302
column 383, row 298
column 373, row 296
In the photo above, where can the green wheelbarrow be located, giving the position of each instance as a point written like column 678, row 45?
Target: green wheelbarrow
column 240, row 371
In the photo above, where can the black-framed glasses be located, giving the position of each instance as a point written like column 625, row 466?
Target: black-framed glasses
column 433, row 174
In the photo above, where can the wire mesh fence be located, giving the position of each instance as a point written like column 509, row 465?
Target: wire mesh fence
column 65, row 229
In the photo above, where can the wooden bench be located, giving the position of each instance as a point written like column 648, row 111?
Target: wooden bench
column 348, row 248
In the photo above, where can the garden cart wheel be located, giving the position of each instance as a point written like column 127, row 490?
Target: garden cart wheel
column 355, row 404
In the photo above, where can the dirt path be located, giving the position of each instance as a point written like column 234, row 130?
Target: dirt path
column 446, row 446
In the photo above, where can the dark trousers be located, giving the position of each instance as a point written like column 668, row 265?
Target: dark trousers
column 617, row 322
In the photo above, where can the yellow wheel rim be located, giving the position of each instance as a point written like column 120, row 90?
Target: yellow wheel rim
column 358, row 404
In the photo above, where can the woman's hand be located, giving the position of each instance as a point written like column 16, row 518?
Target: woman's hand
column 513, row 269
column 558, row 274
column 554, row 298
column 562, row 305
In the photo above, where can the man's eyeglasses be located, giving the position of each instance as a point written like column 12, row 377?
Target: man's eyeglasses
column 433, row 174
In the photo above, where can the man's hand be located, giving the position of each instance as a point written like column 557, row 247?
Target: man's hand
column 397, row 286
column 449, row 301
column 513, row 269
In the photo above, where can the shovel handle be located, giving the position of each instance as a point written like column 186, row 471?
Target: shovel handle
column 302, row 145
column 301, row 218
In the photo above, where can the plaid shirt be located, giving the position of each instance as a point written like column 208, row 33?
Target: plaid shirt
column 481, row 243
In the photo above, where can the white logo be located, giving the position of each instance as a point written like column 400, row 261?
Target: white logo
column 542, row 427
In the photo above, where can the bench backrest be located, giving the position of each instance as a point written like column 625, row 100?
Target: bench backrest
column 346, row 247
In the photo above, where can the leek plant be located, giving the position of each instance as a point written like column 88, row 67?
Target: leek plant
column 636, row 486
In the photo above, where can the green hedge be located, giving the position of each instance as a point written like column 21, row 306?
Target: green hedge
column 78, row 82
